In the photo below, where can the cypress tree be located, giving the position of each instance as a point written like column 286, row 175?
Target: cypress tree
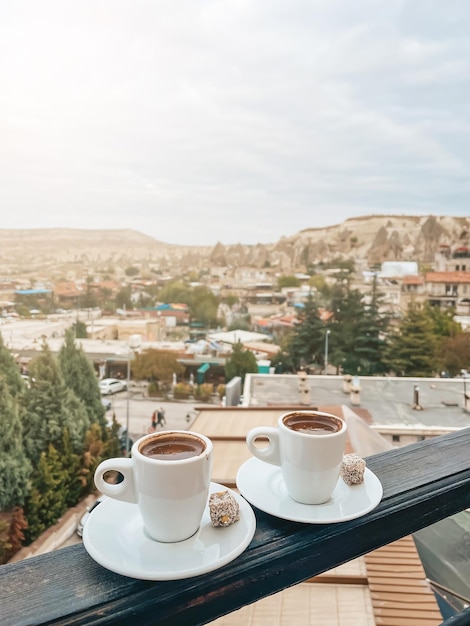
column 15, row 468
column 79, row 376
column 47, row 500
column 71, row 462
column 50, row 408
column 10, row 370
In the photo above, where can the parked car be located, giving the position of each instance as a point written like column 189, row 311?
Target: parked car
column 111, row 385
column 84, row 518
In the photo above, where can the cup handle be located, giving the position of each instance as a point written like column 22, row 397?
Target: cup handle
column 269, row 454
column 125, row 489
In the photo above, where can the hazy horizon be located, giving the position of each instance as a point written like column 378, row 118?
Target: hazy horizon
column 199, row 121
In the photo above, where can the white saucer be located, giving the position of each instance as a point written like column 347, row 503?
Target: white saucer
column 262, row 485
column 114, row 537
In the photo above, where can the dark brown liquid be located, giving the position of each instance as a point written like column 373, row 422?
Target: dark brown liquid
column 172, row 447
column 313, row 425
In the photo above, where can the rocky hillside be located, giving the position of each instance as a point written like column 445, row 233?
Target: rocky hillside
column 369, row 240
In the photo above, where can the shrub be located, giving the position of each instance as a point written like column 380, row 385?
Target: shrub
column 181, row 390
column 204, row 391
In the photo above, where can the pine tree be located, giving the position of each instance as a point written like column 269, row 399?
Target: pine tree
column 348, row 320
column 411, row 351
column 307, row 339
column 372, row 326
column 15, row 468
column 79, row 376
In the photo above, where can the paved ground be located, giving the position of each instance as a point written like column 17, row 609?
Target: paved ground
column 178, row 415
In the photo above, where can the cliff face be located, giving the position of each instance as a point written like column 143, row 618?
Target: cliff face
column 369, row 240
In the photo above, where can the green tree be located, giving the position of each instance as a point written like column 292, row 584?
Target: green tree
column 79, row 376
column 176, row 292
column 47, row 500
column 240, row 362
column 88, row 299
column 131, row 271
column 307, row 339
column 287, row 281
column 455, row 353
column 96, row 449
column 346, row 325
column 10, row 371
column 443, row 322
column 230, row 299
column 204, row 304
column 372, row 326
column 282, row 360
column 123, row 299
column 411, row 350
column 318, row 282
column 70, row 461
column 50, row 408
column 79, row 329
column 156, row 365
column 15, row 467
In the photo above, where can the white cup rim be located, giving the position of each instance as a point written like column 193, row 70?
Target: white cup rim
column 310, row 412
column 135, row 451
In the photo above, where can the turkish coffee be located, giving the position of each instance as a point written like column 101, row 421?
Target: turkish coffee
column 312, row 424
column 172, row 447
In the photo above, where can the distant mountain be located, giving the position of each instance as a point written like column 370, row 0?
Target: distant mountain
column 369, row 240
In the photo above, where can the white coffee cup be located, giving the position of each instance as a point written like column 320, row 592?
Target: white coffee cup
column 308, row 446
column 168, row 477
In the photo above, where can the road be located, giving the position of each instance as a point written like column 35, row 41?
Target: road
column 141, row 409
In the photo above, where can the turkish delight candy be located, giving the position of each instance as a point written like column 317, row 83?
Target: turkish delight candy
column 352, row 469
column 224, row 509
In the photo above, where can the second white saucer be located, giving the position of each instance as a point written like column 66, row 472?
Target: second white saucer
column 262, row 485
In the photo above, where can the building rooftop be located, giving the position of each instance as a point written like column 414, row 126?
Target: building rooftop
column 388, row 400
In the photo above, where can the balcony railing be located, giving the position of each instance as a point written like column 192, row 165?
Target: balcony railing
column 423, row 483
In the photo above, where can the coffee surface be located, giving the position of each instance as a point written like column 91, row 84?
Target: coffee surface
column 173, row 447
column 313, row 425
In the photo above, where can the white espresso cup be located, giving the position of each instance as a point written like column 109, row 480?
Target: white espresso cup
column 168, row 477
column 308, row 446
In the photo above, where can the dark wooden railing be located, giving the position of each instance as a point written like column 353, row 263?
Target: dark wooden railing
column 423, row 483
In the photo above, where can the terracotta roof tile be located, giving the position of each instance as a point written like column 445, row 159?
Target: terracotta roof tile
column 448, row 277
column 413, row 280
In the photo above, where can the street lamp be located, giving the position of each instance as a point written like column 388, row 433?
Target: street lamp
column 465, row 397
column 326, row 350
column 134, row 344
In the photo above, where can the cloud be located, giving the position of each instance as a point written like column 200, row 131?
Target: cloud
column 208, row 120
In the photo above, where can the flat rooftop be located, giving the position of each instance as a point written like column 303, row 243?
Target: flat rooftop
column 388, row 400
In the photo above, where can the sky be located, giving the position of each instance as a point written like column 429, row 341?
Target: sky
column 205, row 121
